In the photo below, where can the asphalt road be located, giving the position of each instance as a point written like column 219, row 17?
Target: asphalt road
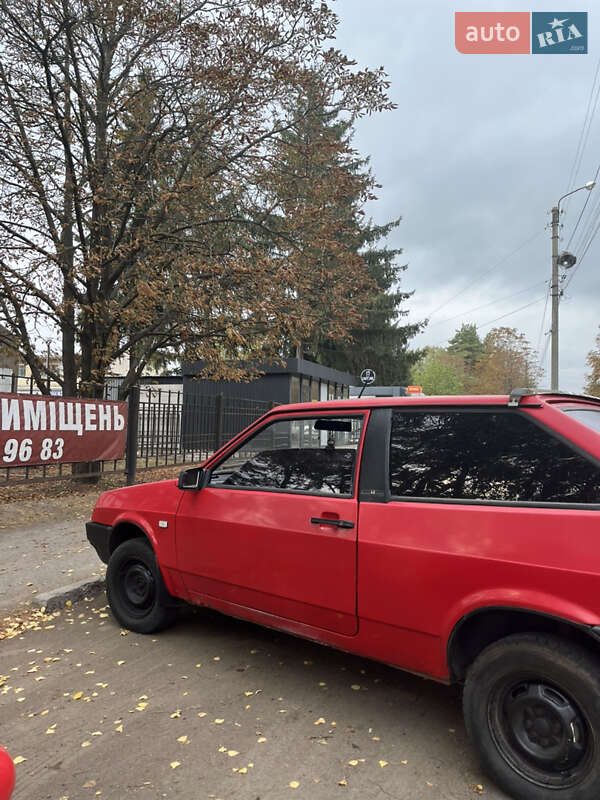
column 217, row 708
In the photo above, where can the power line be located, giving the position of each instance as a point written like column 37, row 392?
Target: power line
column 543, row 325
column 510, row 313
column 487, row 272
column 585, row 132
column 581, row 213
column 485, row 305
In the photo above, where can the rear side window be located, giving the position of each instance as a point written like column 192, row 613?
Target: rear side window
column 486, row 456
column 588, row 416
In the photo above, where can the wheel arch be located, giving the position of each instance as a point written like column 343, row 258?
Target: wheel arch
column 482, row 627
column 125, row 530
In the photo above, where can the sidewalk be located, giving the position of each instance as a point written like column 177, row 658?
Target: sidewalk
column 46, row 555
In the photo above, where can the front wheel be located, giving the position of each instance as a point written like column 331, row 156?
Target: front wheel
column 135, row 589
column 532, row 709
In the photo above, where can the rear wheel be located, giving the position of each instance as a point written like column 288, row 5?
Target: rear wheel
column 532, row 709
column 135, row 589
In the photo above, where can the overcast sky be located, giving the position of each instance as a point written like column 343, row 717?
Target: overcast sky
column 476, row 154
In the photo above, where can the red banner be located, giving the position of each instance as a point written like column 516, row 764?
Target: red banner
column 36, row 429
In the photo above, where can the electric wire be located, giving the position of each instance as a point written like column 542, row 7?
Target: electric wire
column 581, row 213
column 543, row 325
column 490, row 303
column 585, row 132
column 510, row 313
column 487, row 272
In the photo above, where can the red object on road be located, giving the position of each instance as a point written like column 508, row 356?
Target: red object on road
column 7, row 775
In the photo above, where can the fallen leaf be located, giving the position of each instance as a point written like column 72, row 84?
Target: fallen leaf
column 383, row 763
column 294, row 784
column 353, row 762
column 404, row 762
column 85, row 744
column 219, row 721
column 183, row 739
column 77, row 696
column 320, row 721
column 176, row 714
column 243, row 770
column 202, row 713
column 343, row 782
column 232, row 753
column 89, row 784
column 261, row 740
column 175, row 764
column 19, row 760
column 119, row 729
column 355, row 687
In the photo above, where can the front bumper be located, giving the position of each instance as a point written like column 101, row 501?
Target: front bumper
column 99, row 537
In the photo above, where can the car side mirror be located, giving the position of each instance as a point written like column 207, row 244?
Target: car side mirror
column 192, row 478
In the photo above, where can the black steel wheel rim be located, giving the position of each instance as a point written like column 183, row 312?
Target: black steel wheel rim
column 138, row 587
column 541, row 732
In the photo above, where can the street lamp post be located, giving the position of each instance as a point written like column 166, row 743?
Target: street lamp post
column 554, row 288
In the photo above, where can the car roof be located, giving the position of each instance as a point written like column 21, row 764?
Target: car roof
column 519, row 397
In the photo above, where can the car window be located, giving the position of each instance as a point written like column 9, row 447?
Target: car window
column 316, row 455
column 588, row 416
column 486, row 456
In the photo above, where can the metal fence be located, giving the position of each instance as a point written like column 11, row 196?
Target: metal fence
column 166, row 427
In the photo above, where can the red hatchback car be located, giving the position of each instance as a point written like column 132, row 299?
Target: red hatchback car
column 455, row 537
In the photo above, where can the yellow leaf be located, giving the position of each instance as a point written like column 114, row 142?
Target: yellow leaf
column 141, row 706
column 343, row 782
column 183, row 739
column 243, row 770
column 353, row 762
column 19, row 760
column 404, row 762
column 232, row 753
column 216, row 658
column 50, row 730
column 77, row 696
column 222, row 749
column 248, row 694
column 294, row 784
column 320, row 721
column 176, row 714
column 202, row 713
column 97, row 733
column 175, row 764
column 85, row 744
column 261, row 739
column 119, row 663
column 219, row 721
column 355, row 687
column 119, row 729
column 89, row 784
column 383, row 763
column 143, row 697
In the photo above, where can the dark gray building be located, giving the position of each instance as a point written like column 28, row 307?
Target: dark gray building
column 296, row 382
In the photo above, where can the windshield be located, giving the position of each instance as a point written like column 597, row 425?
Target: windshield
column 588, row 416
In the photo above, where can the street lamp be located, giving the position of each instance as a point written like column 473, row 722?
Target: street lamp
column 566, row 261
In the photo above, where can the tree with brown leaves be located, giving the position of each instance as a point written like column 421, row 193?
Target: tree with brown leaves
column 508, row 362
column 138, row 146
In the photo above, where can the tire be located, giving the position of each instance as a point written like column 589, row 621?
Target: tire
column 532, row 710
column 136, row 592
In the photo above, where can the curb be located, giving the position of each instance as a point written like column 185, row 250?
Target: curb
column 58, row 598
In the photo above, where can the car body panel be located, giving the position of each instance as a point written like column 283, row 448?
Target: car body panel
column 397, row 584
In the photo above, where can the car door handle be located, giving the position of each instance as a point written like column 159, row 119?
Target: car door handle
column 338, row 523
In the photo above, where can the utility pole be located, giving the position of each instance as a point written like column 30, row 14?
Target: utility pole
column 555, row 292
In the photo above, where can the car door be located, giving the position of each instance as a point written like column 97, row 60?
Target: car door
column 275, row 527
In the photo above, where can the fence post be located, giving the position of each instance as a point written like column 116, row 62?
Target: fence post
column 218, row 421
column 133, row 414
